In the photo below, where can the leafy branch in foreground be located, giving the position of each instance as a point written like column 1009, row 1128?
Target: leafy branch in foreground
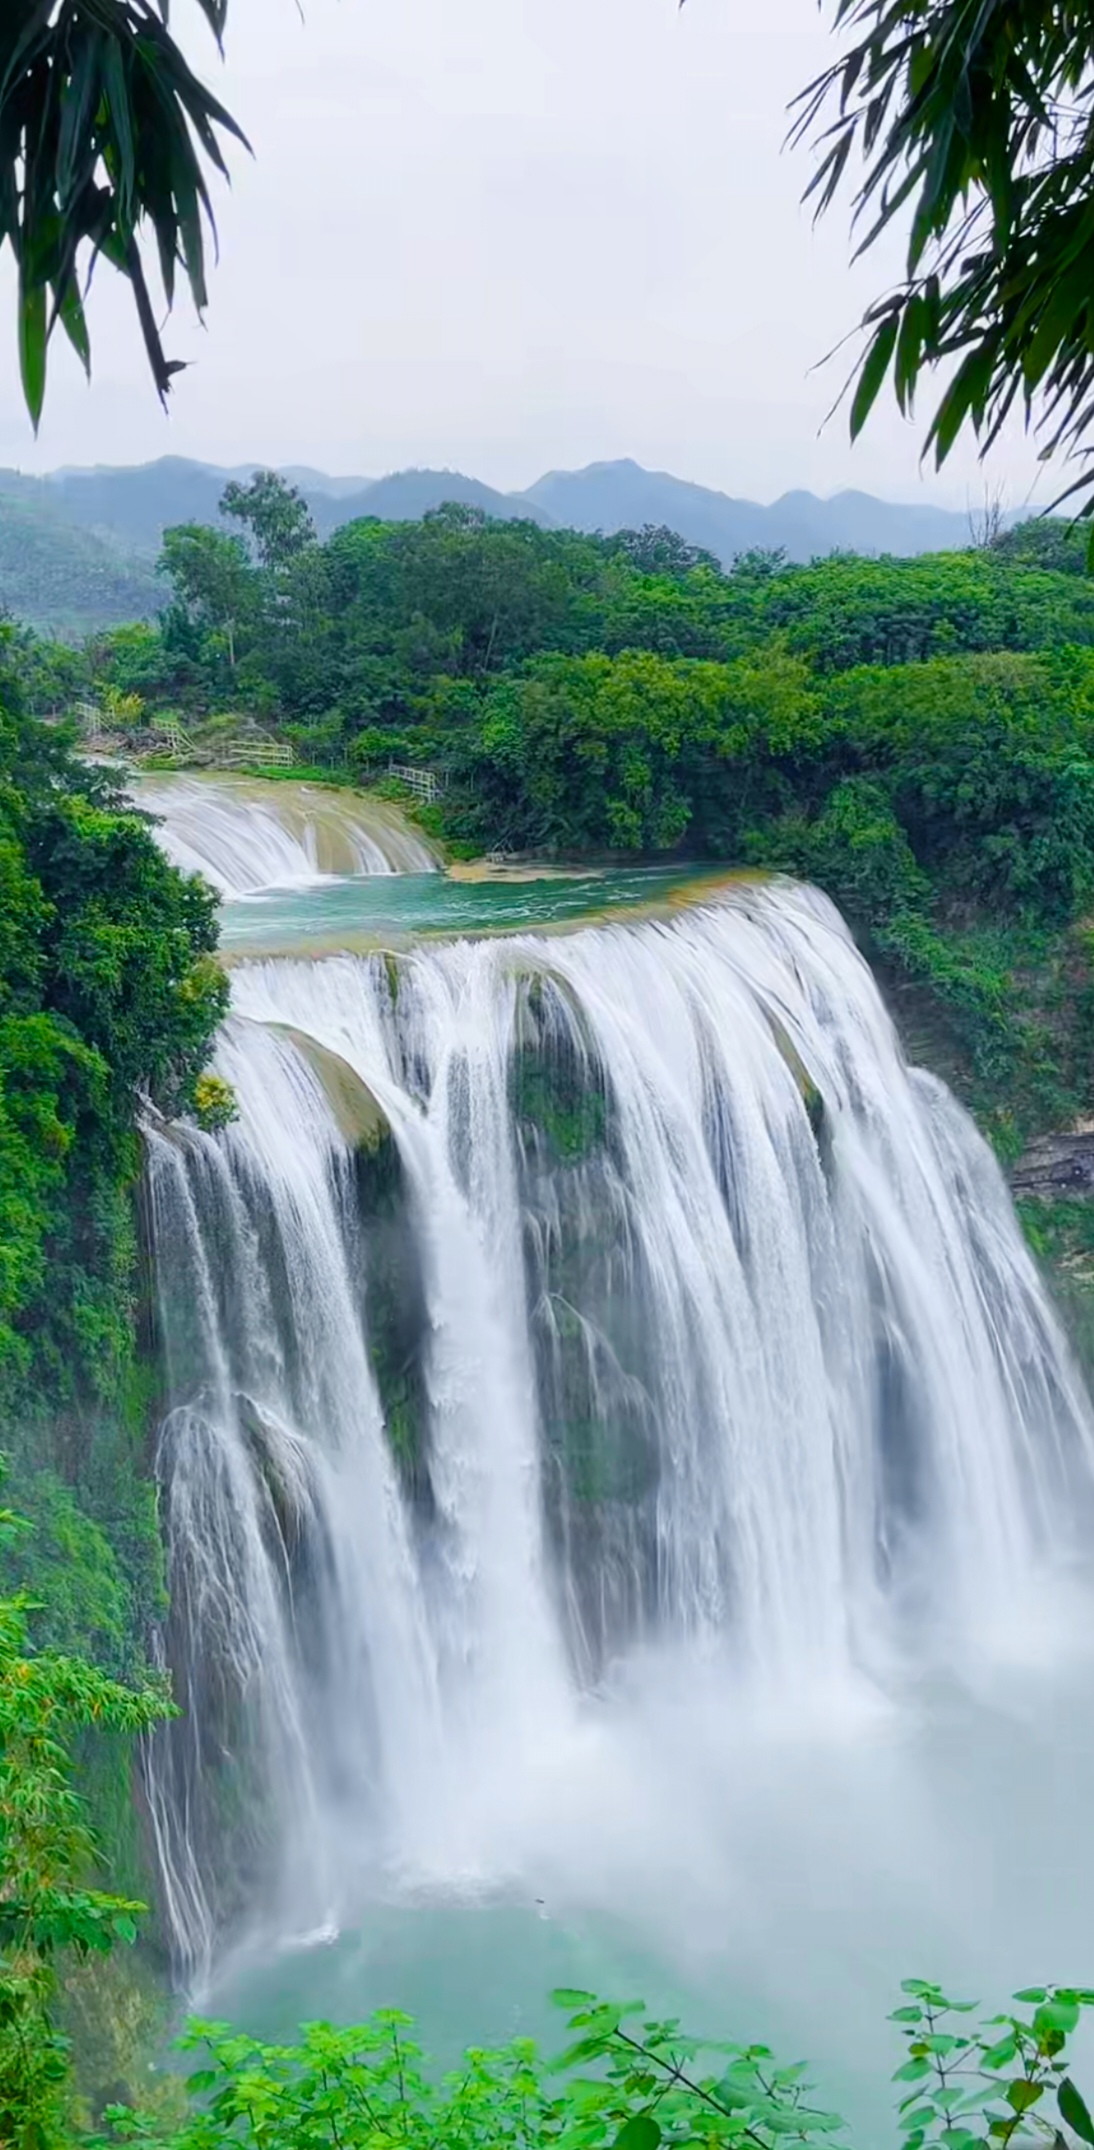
column 977, row 118
column 995, row 2084
column 627, row 2082
column 104, row 131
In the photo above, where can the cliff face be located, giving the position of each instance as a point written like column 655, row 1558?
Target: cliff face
column 1056, row 1165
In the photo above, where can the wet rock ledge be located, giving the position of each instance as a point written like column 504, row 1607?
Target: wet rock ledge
column 1056, row 1165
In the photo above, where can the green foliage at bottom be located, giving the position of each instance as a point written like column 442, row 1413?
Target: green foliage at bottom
column 625, row 2082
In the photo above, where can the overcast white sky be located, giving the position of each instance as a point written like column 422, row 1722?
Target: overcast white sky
column 504, row 236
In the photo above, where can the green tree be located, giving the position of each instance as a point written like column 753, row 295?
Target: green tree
column 275, row 514
column 846, row 611
column 133, row 660
column 988, row 762
column 975, row 124
column 657, row 550
column 106, row 137
column 1043, row 541
column 634, row 752
column 49, row 1908
column 214, row 585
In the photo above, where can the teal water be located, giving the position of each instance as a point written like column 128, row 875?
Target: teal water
column 348, row 913
column 945, row 1837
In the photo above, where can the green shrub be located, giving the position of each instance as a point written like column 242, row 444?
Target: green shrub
column 626, row 2082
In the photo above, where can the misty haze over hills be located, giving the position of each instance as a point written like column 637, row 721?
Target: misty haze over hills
column 77, row 548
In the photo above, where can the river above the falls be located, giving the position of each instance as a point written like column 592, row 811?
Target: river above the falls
column 362, row 912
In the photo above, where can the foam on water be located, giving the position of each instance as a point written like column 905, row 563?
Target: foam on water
column 246, row 835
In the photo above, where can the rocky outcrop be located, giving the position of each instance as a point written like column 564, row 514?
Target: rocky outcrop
column 1056, row 1165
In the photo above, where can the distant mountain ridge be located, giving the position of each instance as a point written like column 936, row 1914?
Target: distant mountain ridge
column 624, row 496
column 101, row 527
column 61, row 578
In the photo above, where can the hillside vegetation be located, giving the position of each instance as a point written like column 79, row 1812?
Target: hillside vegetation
column 77, row 548
column 66, row 580
column 109, row 995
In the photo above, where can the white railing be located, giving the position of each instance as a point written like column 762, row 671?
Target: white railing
column 239, row 752
column 424, row 783
column 234, row 750
column 176, row 741
column 91, row 720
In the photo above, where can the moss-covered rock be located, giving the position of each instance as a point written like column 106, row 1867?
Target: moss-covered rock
column 118, row 2012
column 1060, row 1228
column 396, row 1319
column 558, row 1089
column 360, row 1118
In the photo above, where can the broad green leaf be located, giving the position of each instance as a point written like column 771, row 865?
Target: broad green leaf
column 1001, row 2055
column 1057, row 2015
column 640, row 2132
column 1073, row 2111
column 914, row 326
column 70, row 313
column 1021, row 2094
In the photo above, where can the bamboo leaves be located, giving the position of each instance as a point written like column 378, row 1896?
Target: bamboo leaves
column 106, row 135
column 979, row 114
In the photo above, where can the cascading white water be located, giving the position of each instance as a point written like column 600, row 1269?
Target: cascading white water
column 245, row 836
column 704, row 1334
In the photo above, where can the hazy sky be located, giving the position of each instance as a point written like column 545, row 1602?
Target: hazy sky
column 502, row 236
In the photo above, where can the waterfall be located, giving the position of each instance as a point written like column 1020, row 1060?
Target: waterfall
column 559, row 1308
column 245, row 836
